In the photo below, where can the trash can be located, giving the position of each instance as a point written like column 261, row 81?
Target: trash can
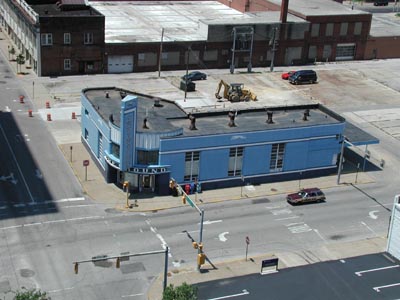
column 189, row 87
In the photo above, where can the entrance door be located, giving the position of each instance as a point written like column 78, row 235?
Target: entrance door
column 148, row 183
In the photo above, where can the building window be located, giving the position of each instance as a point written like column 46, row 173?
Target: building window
column 100, row 146
column 312, row 52
column 86, row 112
column 47, row 39
column 147, row 157
column 67, row 64
column 86, row 134
column 67, row 38
column 277, row 155
column 329, row 29
column 314, row 30
column 89, row 65
column 115, row 150
column 327, row 51
column 88, row 38
column 357, row 28
column 235, row 161
column 192, row 160
column 343, row 28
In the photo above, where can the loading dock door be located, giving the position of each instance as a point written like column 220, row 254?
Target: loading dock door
column 345, row 51
column 393, row 244
column 120, row 64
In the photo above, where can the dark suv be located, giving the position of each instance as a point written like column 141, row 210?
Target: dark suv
column 303, row 76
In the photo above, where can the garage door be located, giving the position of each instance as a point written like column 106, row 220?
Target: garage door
column 393, row 245
column 120, row 64
column 345, row 51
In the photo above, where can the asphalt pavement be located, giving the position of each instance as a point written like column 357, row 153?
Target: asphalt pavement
column 38, row 93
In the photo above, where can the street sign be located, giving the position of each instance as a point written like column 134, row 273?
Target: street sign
column 247, row 240
column 85, row 162
column 190, row 201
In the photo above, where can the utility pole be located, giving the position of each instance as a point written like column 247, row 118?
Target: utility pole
column 160, row 54
column 341, row 160
column 273, row 43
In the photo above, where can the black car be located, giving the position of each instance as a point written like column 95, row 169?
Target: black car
column 195, row 75
column 303, row 76
column 381, row 3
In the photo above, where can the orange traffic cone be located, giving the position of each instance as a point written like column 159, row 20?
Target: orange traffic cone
column 21, row 99
column 73, row 116
column 48, row 117
column 30, row 113
column 47, row 104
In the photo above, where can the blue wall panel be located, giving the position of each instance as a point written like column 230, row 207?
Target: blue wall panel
column 256, row 160
column 296, row 156
column 214, row 164
column 177, row 163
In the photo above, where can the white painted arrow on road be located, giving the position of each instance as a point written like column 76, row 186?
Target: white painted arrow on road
column 211, row 222
column 372, row 214
column 222, row 237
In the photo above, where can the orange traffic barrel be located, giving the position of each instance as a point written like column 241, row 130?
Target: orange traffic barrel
column 30, row 113
column 47, row 104
column 48, row 117
column 73, row 116
column 21, row 99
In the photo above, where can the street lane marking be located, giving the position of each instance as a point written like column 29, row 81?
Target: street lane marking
column 50, row 202
column 211, row 222
column 378, row 288
column 61, row 290
column 320, row 235
column 288, row 218
column 380, row 205
column 359, row 273
column 369, row 228
column 53, row 221
column 74, row 206
column 372, row 214
column 281, row 211
column 274, row 207
column 132, row 295
column 222, row 237
column 244, row 292
column 16, row 163
column 298, row 227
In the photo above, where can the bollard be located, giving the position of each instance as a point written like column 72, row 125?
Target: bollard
column 73, row 116
column 21, row 99
column 30, row 113
column 47, row 104
column 48, row 117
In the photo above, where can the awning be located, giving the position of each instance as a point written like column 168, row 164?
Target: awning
column 357, row 136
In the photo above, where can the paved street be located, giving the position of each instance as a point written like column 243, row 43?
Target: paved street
column 64, row 217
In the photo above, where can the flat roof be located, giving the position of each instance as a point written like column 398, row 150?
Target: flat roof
column 44, row 10
column 385, row 24
column 169, row 116
column 142, row 21
column 357, row 136
column 319, row 8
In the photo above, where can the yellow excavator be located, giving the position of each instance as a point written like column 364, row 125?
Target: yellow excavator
column 234, row 92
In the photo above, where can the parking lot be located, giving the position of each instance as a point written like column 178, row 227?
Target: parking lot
column 374, row 276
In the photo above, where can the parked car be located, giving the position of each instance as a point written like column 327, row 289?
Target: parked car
column 381, row 2
column 286, row 75
column 195, row 75
column 303, row 76
column 306, row 195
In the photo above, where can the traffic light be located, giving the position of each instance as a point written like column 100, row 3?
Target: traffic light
column 76, row 268
column 118, row 263
column 183, row 199
column 195, row 245
column 201, row 259
column 201, row 247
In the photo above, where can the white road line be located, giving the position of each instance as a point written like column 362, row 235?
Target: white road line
column 53, row 221
column 359, row 273
column 378, row 288
column 288, row 218
column 370, row 229
column 222, row 237
column 244, row 292
column 16, row 162
column 11, row 227
column 32, row 224
column 133, row 295
column 19, row 205
column 292, row 224
column 274, row 207
column 320, row 235
column 69, row 199
column 60, row 290
column 211, row 222
column 74, row 206
column 380, row 205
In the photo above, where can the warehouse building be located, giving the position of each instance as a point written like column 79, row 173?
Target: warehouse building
column 70, row 37
column 147, row 141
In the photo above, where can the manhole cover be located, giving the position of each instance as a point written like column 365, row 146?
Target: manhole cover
column 26, row 272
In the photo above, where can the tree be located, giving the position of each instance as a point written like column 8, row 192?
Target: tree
column 182, row 292
column 20, row 61
column 32, row 294
column 11, row 51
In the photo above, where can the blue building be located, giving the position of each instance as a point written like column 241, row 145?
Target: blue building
column 147, row 141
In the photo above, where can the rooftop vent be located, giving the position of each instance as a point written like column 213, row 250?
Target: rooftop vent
column 192, row 122
column 111, row 118
column 122, row 94
column 157, row 103
column 269, row 114
column 107, row 95
column 305, row 115
column 145, row 124
column 232, row 116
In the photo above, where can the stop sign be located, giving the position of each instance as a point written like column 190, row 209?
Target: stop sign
column 85, row 162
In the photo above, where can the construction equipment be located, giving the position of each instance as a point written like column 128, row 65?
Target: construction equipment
column 234, row 92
